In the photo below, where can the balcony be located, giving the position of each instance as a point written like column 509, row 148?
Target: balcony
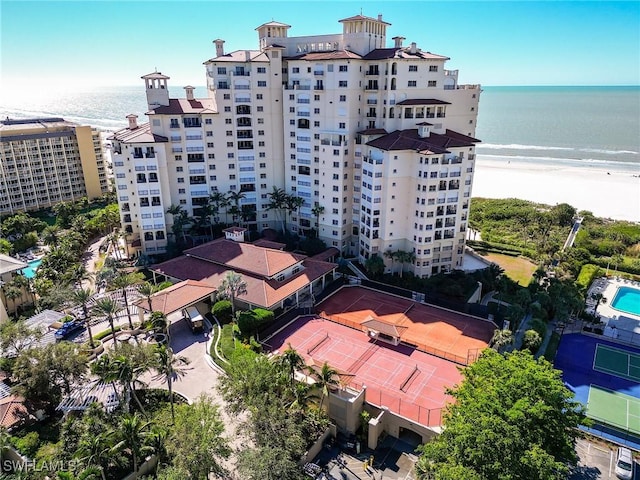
column 243, row 99
column 372, row 102
column 318, row 72
column 303, row 100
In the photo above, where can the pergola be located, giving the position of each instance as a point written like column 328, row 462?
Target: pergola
column 81, row 397
column 176, row 297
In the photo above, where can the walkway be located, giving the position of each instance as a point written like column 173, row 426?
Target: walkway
column 519, row 336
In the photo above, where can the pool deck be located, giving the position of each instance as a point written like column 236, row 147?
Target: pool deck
column 610, row 315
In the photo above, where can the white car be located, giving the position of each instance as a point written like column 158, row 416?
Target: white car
column 624, row 464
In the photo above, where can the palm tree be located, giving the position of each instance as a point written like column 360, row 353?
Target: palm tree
column 325, row 380
column 51, row 235
column 390, row 254
column 247, row 214
column 11, row 292
column 404, row 257
column 147, row 289
column 131, row 434
column 317, row 210
column 108, row 307
column 234, row 198
column 599, row 298
column 103, row 369
column 123, row 281
column 82, row 297
column 114, row 239
column 277, row 199
column 302, row 396
column 292, row 361
column 217, row 200
column 96, row 450
column 232, row 287
column 157, row 441
column 502, row 338
column 180, row 219
column 293, row 203
column 169, row 367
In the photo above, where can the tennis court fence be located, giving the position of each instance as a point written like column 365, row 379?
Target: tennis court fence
column 604, row 429
column 428, row 417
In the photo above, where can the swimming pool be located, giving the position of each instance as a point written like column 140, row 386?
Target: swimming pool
column 30, row 271
column 627, row 299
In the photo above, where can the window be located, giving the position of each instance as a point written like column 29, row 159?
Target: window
column 209, row 133
column 222, row 71
column 231, row 166
column 343, row 98
column 178, row 169
column 342, row 125
column 212, row 167
column 342, row 68
column 259, row 97
column 230, row 155
column 228, row 121
column 211, row 156
column 412, row 83
column 209, row 144
column 316, row 123
column 342, row 83
column 431, row 83
column 230, row 144
column 413, row 68
column 212, row 178
column 433, row 68
column 330, row 67
column 181, row 190
column 229, row 132
column 292, row 109
column 295, row 70
column 232, row 177
column 180, row 180
column 227, row 96
column 262, row 83
column 292, row 97
column 262, row 69
column 263, row 165
column 260, row 132
column 260, row 109
column 316, row 98
column 316, row 110
column 178, row 158
column 335, row 200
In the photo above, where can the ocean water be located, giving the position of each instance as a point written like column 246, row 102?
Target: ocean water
column 589, row 127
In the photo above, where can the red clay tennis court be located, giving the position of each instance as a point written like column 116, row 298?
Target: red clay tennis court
column 405, row 380
column 451, row 335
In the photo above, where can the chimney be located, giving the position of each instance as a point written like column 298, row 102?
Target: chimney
column 133, row 121
column 219, row 47
column 189, row 90
column 413, row 48
column 398, row 41
column 379, row 17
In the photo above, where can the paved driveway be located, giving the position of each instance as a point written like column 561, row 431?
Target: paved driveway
column 596, row 462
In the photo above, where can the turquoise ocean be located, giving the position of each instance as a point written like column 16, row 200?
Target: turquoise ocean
column 587, row 127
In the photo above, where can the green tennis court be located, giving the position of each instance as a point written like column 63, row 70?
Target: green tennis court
column 615, row 409
column 617, row 362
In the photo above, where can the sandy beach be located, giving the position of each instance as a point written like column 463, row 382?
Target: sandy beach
column 606, row 193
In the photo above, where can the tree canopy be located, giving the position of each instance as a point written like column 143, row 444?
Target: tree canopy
column 513, row 418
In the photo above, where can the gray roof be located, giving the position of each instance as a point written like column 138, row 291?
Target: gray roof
column 9, row 264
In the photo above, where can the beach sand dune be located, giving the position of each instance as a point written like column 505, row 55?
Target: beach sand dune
column 610, row 194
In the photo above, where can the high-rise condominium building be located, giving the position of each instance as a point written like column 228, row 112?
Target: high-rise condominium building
column 45, row 161
column 378, row 141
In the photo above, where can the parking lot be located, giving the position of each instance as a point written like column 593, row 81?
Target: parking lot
column 596, row 462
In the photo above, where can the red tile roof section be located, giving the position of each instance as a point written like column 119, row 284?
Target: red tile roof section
column 329, row 55
column 435, row 143
column 177, row 297
column 264, row 243
column 245, row 257
column 142, row 134
column 403, row 52
column 182, row 105
column 12, row 411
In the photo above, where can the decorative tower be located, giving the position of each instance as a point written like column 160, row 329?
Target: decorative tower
column 157, row 89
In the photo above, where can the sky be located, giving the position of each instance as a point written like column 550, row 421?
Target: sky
column 95, row 43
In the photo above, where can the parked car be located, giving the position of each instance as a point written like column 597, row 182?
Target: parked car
column 194, row 318
column 624, row 464
column 68, row 328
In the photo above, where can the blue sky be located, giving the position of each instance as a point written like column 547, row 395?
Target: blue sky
column 95, row 43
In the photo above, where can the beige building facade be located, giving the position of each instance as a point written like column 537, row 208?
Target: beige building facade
column 46, row 161
column 381, row 137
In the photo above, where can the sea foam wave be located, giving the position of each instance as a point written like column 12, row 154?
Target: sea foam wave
column 516, row 146
column 596, row 163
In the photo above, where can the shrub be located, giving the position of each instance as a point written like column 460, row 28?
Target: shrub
column 27, row 445
column 532, row 341
column 222, row 310
column 101, row 335
column 539, row 326
column 588, row 273
column 163, row 285
column 247, row 323
column 263, row 317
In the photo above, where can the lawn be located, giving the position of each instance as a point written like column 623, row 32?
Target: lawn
column 518, row 269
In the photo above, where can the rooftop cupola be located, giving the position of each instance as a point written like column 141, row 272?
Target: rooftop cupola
column 189, row 91
column 157, row 89
column 413, row 48
column 424, row 129
column 398, row 41
column 219, row 47
column 133, row 121
column 270, row 31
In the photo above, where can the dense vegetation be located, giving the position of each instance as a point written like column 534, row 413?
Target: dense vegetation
column 513, row 418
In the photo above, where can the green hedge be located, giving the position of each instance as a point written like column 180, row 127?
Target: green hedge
column 539, row 326
column 101, row 335
column 588, row 273
column 222, row 310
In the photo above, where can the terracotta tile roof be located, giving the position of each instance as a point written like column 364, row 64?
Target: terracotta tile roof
column 423, row 101
column 142, row 134
column 12, row 411
column 261, row 292
column 177, row 296
column 241, row 56
column 245, row 257
column 264, row 243
column 361, row 17
column 402, row 52
column 155, row 76
column 327, row 254
column 433, row 144
column 373, row 131
column 182, row 105
column 273, row 24
column 329, row 55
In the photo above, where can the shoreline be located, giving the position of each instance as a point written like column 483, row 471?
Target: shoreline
column 606, row 193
